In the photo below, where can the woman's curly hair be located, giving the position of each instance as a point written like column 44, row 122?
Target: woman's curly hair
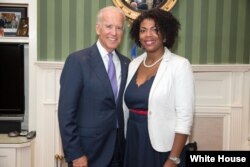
column 167, row 24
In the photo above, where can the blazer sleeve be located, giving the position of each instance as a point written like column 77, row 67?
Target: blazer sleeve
column 184, row 88
column 71, row 85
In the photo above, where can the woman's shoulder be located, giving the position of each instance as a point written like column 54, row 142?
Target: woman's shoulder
column 178, row 58
column 139, row 58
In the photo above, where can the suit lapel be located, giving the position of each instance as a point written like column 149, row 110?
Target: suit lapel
column 99, row 68
column 124, row 67
column 124, row 71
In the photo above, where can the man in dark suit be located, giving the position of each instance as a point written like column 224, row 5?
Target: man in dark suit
column 91, row 119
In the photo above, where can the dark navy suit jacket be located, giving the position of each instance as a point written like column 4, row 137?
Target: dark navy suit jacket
column 87, row 110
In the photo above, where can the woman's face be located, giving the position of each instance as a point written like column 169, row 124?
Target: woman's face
column 150, row 37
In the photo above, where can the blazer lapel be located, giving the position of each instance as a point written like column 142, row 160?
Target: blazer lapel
column 99, row 68
column 161, row 71
column 133, row 68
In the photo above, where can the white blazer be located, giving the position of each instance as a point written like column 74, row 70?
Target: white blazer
column 171, row 100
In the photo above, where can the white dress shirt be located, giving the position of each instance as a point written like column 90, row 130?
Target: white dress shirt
column 105, row 59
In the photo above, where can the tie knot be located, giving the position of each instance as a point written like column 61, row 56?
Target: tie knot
column 110, row 54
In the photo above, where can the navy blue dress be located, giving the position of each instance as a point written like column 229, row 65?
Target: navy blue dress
column 139, row 151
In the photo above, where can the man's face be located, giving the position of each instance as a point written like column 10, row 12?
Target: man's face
column 110, row 30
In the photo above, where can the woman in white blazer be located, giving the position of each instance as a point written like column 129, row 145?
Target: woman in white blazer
column 159, row 95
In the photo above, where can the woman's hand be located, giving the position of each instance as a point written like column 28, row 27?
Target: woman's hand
column 169, row 163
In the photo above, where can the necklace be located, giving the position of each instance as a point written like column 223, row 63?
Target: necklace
column 151, row 65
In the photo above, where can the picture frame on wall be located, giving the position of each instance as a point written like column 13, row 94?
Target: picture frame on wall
column 10, row 17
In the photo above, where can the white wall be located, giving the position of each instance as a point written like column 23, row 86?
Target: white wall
column 222, row 107
column 221, row 119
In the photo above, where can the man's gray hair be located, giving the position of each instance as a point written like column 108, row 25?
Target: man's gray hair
column 101, row 11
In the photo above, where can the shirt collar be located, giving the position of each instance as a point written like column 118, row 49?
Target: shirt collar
column 102, row 50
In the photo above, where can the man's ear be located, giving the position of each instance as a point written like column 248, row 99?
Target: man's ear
column 97, row 29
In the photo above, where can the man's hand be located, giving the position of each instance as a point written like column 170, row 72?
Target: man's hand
column 80, row 162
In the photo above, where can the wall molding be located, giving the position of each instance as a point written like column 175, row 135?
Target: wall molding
column 49, row 64
column 196, row 68
column 221, row 68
